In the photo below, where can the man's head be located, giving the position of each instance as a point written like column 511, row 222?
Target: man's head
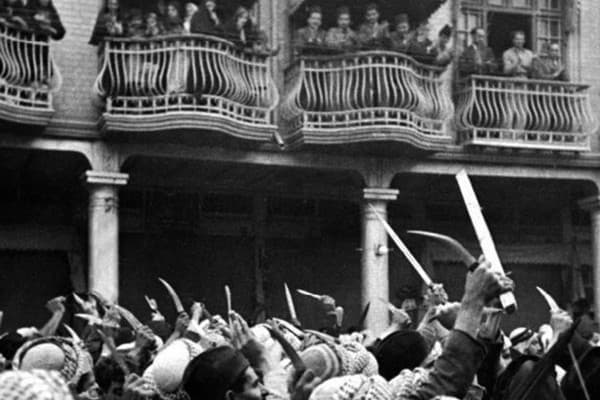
column 372, row 13
column 554, row 51
column 343, row 17
column 222, row 373
column 210, row 5
column 478, row 35
column 423, row 31
column 402, row 24
column 110, row 378
column 518, row 39
column 112, row 5
column 172, row 10
column 315, row 17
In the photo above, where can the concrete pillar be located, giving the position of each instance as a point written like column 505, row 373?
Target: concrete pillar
column 592, row 205
column 375, row 277
column 103, row 232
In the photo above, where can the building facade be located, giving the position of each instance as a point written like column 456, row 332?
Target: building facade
column 189, row 159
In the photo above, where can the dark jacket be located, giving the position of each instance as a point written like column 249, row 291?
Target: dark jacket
column 454, row 370
column 468, row 61
column 202, row 23
column 46, row 21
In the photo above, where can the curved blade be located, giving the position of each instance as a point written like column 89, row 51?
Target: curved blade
column 151, row 303
column 129, row 317
column 79, row 300
column 92, row 320
column 101, row 299
column 309, row 294
column 74, row 335
column 402, row 247
column 291, row 307
column 464, row 254
column 297, row 362
column 363, row 316
column 228, row 299
column 549, row 299
column 174, row 296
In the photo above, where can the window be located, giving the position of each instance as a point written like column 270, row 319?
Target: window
column 540, row 19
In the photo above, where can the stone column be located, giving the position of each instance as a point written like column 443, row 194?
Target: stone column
column 592, row 205
column 103, row 231
column 375, row 277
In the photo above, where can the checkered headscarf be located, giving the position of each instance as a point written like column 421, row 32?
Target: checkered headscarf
column 33, row 385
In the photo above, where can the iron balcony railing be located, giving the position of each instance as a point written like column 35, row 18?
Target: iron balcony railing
column 524, row 113
column 28, row 77
column 201, row 81
column 366, row 96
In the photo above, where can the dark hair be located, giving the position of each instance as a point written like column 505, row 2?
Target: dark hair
column 446, row 31
column 106, row 372
column 238, row 385
column 314, row 9
column 517, row 32
column 372, row 6
column 474, row 30
column 341, row 11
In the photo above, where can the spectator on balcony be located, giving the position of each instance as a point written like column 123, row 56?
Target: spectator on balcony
column 109, row 23
column 420, row 46
column 402, row 35
column 135, row 24
column 478, row 58
column 14, row 14
column 153, row 26
column 310, row 37
column 206, row 19
column 162, row 11
column 550, row 66
column 173, row 22
column 372, row 33
column 518, row 60
column 190, row 10
column 243, row 32
column 46, row 20
column 442, row 51
column 342, row 37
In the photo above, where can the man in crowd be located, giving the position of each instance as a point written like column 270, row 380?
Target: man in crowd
column 549, row 66
column 478, row 58
column 373, row 33
column 342, row 37
column 311, row 36
column 401, row 37
column 518, row 60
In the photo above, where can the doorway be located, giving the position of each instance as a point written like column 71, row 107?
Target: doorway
column 500, row 27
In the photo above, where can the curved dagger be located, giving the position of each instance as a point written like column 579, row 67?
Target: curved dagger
column 174, row 296
column 549, row 299
column 465, row 256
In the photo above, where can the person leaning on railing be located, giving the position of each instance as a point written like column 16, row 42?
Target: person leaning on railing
column 46, row 21
column 373, row 33
column 401, row 37
column 420, row 45
column 518, row 60
column 206, row 19
column 342, row 37
column 14, row 14
column 311, row 35
column 478, row 57
column 442, row 52
column 109, row 23
column 549, row 66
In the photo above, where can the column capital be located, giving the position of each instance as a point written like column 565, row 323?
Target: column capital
column 380, row 194
column 591, row 203
column 105, row 178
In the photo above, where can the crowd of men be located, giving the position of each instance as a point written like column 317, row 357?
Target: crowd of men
column 36, row 16
column 456, row 350
column 176, row 18
column 477, row 58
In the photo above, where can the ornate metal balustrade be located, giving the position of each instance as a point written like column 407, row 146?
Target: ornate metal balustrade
column 366, row 97
column 524, row 113
column 28, row 77
column 187, row 82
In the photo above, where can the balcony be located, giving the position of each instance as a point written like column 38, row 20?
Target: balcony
column 524, row 114
column 374, row 96
column 28, row 77
column 192, row 82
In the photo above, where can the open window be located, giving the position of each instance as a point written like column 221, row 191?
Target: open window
column 542, row 21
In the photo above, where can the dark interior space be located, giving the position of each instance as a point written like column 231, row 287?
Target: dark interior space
column 500, row 28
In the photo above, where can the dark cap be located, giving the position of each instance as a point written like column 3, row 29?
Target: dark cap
column 212, row 373
column 398, row 351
